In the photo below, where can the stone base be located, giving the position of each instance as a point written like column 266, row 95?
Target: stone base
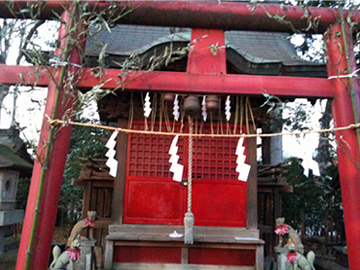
column 9, row 217
column 6, row 206
column 86, row 260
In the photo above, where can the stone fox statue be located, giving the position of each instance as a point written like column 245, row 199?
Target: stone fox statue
column 70, row 255
column 82, row 224
column 298, row 260
column 282, row 229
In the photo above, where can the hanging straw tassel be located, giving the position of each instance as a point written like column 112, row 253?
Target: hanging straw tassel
column 189, row 217
column 189, row 228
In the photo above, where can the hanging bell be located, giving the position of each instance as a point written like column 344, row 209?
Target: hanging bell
column 212, row 103
column 192, row 105
column 169, row 97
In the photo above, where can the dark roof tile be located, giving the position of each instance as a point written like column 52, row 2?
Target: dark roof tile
column 255, row 47
column 9, row 159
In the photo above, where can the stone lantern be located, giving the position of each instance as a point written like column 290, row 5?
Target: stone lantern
column 10, row 167
column 8, row 187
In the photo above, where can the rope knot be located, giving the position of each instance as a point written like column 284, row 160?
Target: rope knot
column 51, row 121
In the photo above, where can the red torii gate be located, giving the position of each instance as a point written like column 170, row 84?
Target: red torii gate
column 214, row 15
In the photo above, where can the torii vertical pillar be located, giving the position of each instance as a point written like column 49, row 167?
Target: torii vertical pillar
column 348, row 149
column 55, row 169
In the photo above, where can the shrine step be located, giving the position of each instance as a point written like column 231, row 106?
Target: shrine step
column 169, row 266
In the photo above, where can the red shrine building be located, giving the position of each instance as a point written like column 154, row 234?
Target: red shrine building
column 234, row 220
column 218, row 49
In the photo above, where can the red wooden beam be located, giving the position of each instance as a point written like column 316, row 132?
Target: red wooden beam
column 348, row 149
column 55, row 167
column 201, row 59
column 219, row 84
column 182, row 82
column 193, row 14
column 25, row 75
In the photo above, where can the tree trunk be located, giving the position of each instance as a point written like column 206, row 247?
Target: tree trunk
column 303, row 229
column 4, row 90
column 326, row 229
column 276, row 143
column 72, row 220
column 332, row 230
column 324, row 158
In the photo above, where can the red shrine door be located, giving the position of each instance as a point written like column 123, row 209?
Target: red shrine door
column 152, row 197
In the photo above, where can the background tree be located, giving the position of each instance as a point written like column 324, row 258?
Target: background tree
column 85, row 142
column 22, row 31
column 317, row 200
column 314, row 200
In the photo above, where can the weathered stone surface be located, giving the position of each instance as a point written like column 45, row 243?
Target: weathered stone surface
column 11, row 217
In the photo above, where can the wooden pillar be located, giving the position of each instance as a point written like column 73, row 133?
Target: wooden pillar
column 265, row 147
column 55, row 168
column 252, row 208
column 118, row 189
column 119, row 181
column 109, row 255
column 259, row 264
column 208, row 54
column 86, row 199
column 348, row 149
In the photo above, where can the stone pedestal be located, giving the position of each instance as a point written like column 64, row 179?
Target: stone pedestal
column 86, row 261
column 8, row 217
column 281, row 262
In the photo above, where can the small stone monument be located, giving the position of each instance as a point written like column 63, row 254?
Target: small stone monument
column 290, row 256
column 81, row 246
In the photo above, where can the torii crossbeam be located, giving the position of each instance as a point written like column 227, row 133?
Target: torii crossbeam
column 214, row 15
column 181, row 82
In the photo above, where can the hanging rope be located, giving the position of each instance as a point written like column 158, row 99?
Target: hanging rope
column 241, row 114
column 190, row 158
column 236, row 114
column 63, row 123
column 131, row 111
column 189, row 217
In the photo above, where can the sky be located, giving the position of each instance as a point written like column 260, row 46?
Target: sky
column 305, row 145
column 30, row 108
column 30, row 102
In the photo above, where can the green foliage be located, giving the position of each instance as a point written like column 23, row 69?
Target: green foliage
column 310, row 47
column 313, row 199
column 297, row 117
column 84, row 142
column 292, row 116
column 22, row 192
column 305, row 199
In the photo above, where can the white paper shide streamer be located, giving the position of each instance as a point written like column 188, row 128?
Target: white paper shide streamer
column 176, row 108
column 203, row 109
column 175, row 167
column 112, row 162
column 242, row 168
column 227, row 109
column 147, row 105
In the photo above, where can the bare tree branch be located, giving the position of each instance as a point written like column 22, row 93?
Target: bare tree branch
column 27, row 40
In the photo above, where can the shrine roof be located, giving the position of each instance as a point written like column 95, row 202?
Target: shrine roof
column 11, row 138
column 262, row 49
column 10, row 160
